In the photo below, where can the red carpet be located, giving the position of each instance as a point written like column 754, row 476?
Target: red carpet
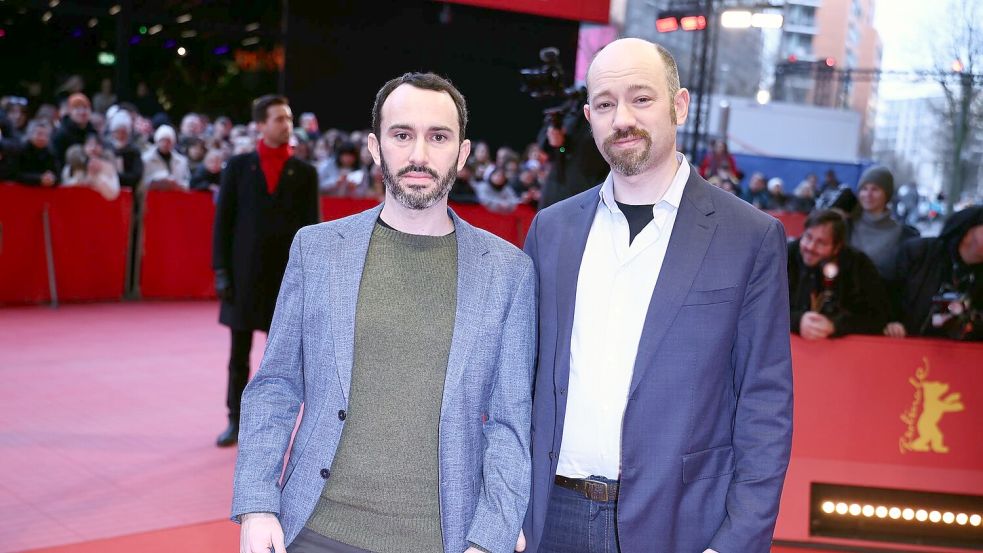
column 108, row 415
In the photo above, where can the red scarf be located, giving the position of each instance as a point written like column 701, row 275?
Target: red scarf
column 272, row 160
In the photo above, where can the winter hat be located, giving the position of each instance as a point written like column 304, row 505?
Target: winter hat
column 120, row 119
column 164, row 131
column 880, row 176
column 78, row 100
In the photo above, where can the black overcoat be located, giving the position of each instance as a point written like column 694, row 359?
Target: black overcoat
column 253, row 232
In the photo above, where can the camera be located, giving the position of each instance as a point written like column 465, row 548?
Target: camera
column 548, row 81
column 953, row 313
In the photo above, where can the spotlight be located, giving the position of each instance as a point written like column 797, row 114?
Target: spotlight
column 181, row 51
column 829, row 507
column 115, row 9
column 882, row 512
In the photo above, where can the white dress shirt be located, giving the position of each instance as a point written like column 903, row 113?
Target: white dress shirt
column 614, row 288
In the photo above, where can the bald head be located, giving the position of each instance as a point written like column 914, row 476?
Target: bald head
column 626, row 53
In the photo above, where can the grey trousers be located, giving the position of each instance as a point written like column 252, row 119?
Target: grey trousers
column 312, row 542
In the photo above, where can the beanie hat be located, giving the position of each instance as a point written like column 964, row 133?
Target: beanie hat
column 164, row 131
column 880, row 176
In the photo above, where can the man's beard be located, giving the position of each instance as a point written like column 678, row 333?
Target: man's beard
column 628, row 162
column 412, row 199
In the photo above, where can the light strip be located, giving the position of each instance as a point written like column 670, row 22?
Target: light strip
column 933, row 516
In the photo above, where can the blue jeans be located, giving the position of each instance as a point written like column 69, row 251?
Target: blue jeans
column 575, row 524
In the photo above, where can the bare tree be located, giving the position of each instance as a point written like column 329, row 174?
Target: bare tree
column 959, row 65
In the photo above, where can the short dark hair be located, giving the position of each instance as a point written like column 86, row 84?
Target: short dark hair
column 831, row 217
column 262, row 104
column 426, row 81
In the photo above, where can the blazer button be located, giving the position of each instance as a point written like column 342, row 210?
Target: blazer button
column 342, row 415
column 551, row 456
column 563, row 391
column 325, row 473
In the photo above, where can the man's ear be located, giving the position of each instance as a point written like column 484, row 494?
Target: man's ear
column 463, row 154
column 373, row 145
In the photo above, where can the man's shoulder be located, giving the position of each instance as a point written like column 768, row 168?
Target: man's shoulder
column 565, row 208
column 242, row 159
column 501, row 249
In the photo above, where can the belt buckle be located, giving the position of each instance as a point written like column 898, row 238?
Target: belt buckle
column 596, row 490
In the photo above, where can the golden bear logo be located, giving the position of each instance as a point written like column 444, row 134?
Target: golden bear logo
column 929, row 404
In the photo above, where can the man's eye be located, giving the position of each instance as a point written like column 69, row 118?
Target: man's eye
column 603, row 105
column 401, row 136
column 643, row 100
column 440, row 138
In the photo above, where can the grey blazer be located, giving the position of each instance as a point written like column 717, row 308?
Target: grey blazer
column 485, row 413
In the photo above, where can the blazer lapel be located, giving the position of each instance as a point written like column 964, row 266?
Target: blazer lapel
column 688, row 245
column 345, row 274
column 472, row 284
column 571, row 254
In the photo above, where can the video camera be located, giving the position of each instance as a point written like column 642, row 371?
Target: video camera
column 548, row 81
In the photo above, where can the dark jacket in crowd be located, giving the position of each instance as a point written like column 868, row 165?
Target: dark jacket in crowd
column 928, row 263
column 34, row 162
column 576, row 166
column 8, row 159
column 202, row 179
column 253, row 233
column 862, row 304
column 132, row 165
column 67, row 135
column 760, row 199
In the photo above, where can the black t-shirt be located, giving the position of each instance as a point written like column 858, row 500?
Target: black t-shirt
column 638, row 216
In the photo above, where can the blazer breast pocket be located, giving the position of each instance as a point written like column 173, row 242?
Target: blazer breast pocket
column 709, row 463
column 709, row 297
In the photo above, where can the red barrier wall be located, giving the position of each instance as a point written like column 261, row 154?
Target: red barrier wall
column 89, row 237
column 793, row 222
column 177, row 245
column 856, row 422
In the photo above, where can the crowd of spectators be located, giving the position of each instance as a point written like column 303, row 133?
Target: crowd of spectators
column 108, row 146
column 855, row 269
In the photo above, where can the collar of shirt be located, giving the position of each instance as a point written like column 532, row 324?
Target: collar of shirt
column 672, row 197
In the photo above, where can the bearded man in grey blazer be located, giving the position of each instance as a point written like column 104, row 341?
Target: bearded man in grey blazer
column 409, row 337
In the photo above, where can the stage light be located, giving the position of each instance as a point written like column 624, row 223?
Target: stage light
column 735, row 19
column 143, row 29
column 829, row 507
column 76, row 33
column 767, row 20
column 155, row 29
column 221, row 50
column 115, row 9
column 693, row 23
column 183, row 18
column 921, row 515
column 975, row 520
column 855, row 509
column 181, row 51
column 47, row 16
column 948, row 518
column 962, row 519
column 93, row 22
column 170, row 43
column 134, row 40
column 251, row 41
column 935, row 516
column 54, row 3
column 842, row 508
column 106, row 58
column 189, row 34
column 868, row 510
column 666, row 24
column 252, row 27
column 881, row 512
column 907, row 514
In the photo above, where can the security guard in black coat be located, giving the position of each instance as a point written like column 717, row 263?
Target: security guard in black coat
column 265, row 198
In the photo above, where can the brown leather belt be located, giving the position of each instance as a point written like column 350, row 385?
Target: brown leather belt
column 595, row 490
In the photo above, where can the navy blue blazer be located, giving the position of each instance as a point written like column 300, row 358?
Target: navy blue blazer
column 707, row 429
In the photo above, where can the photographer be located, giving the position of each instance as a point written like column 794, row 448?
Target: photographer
column 575, row 163
column 834, row 289
column 942, row 288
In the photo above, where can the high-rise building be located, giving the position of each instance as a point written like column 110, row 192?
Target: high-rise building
column 822, row 43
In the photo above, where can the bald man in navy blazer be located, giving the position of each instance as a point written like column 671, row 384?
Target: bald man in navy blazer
column 662, row 414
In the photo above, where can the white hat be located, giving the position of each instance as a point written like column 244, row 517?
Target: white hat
column 120, row 118
column 165, row 131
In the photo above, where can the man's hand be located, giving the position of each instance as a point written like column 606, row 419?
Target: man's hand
column 520, row 545
column 813, row 326
column 555, row 137
column 260, row 532
column 223, row 285
column 47, row 178
column 895, row 330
